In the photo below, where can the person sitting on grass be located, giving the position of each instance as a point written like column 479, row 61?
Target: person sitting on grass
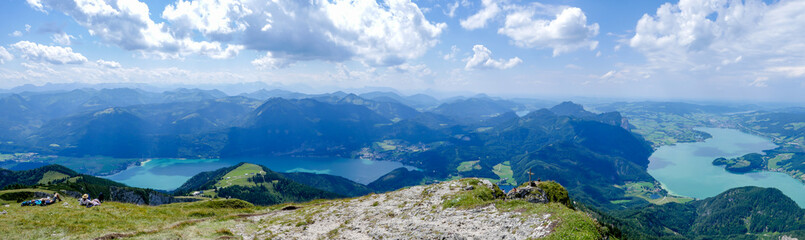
column 42, row 201
column 84, row 201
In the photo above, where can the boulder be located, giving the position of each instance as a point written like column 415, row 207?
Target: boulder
column 529, row 194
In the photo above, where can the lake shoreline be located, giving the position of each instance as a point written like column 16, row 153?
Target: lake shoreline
column 686, row 169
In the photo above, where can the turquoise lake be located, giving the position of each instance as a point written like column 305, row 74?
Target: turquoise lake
column 169, row 173
column 686, row 169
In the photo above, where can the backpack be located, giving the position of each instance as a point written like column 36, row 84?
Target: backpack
column 26, row 203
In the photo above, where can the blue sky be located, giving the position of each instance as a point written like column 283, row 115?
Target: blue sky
column 697, row 49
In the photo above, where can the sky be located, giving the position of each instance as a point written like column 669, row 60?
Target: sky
column 747, row 50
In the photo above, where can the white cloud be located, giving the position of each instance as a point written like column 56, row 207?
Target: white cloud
column 218, row 17
column 381, row 35
column 451, row 9
column 388, row 32
column 568, row 31
column 489, row 10
column 482, row 58
column 127, row 24
column 760, row 82
column 5, row 55
column 789, row 71
column 52, row 54
column 27, row 28
column 419, row 70
column 609, row 74
column 109, row 64
column 37, row 5
column 15, row 34
column 269, row 62
column 699, row 34
column 537, row 25
column 452, row 54
column 62, row 38
column 376, row 33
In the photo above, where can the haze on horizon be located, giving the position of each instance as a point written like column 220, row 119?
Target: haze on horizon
column 691, row 49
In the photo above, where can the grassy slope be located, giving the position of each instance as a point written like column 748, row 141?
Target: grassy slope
column 51, row 176
column 240, row 176
column 217, row 218
column 76, row 222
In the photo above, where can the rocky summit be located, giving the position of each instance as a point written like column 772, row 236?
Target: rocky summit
column 461, row 209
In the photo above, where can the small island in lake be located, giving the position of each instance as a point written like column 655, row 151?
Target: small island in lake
column 743, row 164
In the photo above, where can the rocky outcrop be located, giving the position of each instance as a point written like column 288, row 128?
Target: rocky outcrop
column 541, row 192
column 461, row 209
column 528, row 193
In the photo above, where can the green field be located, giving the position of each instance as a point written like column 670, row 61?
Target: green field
column 386, row 145
column 776, row 159
column 52, row 175
column 467, row 166
column 504, row 171
column 240, row 176
column 644, row 190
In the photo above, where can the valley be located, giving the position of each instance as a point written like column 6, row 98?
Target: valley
column 271, row 150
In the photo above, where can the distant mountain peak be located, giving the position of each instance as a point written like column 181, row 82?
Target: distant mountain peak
column 569, row 108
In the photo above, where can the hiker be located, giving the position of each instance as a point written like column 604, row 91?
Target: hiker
column 42, row 201
column 84, row 201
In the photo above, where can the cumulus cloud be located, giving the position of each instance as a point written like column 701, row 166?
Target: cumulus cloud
column 109, row 64
column 489, row 9
column 709, row 35
column 537, row 25
column 52, row 54
column 568, row 31
column 15, row 34
column 376, row 33
column 5, row 55
column 482, row 59
column 211, row 18
column 62, row 38
column 127, row 24
column 269, row 62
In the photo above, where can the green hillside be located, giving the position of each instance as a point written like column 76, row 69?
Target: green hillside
column 252, row 183
column 745, row 212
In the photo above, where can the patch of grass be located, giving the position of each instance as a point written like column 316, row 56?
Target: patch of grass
column 224, row 232
column 240, row 176
column 483, row 129
column 225, row 203
column 622, row 201
column 52, row 176
column 480, row 195
column 467, row 166
column 504, row 171
column 571, row 224
column 555, row 192
column 386, row 145
column 776, row 159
